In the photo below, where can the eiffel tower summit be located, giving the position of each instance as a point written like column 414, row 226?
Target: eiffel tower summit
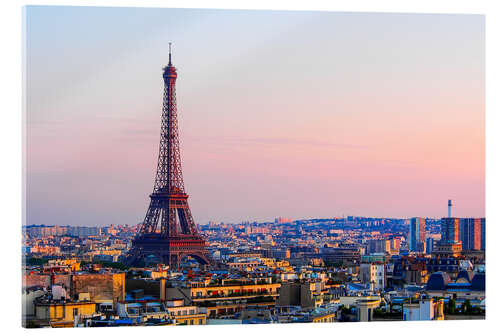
column 168, row 231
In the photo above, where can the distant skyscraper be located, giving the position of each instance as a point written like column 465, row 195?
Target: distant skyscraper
column 379, row 246
column 429, row 245
column 450, row 230
column 470, row 233
column 417, row 234
column 483, row 234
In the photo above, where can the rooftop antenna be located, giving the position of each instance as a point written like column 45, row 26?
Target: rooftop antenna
column 170, row 54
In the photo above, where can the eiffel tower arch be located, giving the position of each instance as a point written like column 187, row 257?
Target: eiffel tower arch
column 168, row 231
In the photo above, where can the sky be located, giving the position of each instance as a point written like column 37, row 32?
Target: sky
column 281, row 113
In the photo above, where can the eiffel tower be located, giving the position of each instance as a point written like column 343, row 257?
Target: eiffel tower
column 168, row 231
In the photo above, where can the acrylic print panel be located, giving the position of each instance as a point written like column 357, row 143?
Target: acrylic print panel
column 208, row 167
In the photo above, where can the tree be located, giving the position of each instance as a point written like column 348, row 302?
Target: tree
column 36, row 261
column 466, row 307
column 452, row 306
column 378, row 312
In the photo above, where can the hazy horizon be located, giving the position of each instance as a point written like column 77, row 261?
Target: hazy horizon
column 251, row 222
column 281, row 113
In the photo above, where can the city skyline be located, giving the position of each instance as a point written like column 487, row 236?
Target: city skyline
column 240, row 158
column 245, row 221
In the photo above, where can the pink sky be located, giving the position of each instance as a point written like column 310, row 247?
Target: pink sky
column 372, row 115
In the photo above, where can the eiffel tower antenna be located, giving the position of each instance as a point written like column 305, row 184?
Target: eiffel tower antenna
column 170, row 54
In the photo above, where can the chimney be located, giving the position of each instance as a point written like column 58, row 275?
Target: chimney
column 449, row 208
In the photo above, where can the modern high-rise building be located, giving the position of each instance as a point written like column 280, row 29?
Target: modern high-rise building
column 417, row 234
column 429, row 245
column 379, row 246
column 483, row 234
column 431, row 242
column 450, row 230
column 470, row 233
column 450, row 243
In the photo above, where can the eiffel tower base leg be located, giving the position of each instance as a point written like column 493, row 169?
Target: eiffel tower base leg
column 169, row 252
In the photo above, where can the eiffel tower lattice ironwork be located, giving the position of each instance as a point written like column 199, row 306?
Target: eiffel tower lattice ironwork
column 168, row 232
